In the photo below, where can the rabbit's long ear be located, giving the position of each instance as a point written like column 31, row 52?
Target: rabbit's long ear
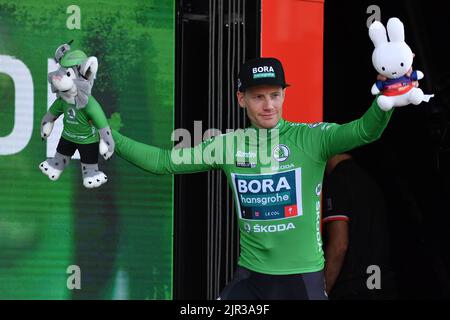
column 377, row 33
column 396, row 30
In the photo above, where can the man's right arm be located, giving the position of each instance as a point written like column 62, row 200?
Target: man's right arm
column 163, row 161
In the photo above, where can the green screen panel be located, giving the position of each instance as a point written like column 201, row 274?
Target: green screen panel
column 120, row 235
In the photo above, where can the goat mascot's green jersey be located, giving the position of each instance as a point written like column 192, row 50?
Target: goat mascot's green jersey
column 86, row 128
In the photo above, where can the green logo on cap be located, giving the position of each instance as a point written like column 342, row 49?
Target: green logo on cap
column 264, row 75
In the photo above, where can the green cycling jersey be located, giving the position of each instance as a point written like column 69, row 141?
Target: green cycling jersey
column 276, row 178
column 80, row 125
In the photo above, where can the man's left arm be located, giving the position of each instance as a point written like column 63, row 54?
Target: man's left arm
column 337, row 138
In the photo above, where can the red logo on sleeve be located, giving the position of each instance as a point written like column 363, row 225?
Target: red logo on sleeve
column 290, row 211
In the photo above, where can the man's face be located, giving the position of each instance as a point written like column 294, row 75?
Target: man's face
column 264, row 104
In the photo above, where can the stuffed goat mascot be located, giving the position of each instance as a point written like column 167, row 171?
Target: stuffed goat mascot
column 86, row 128
column 393, row 60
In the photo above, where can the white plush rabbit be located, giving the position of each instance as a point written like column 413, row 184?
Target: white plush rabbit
column 394, row 60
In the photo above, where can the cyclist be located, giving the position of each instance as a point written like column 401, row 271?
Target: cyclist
column 275, row 170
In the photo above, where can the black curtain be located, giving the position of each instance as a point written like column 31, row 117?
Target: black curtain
column 411, row 160
column 213, row 38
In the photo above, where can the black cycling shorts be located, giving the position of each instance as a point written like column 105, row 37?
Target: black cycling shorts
column 88, row 152
column 250, row 285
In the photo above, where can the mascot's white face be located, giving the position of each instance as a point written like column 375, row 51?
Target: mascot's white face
column 74, row 84
column 63, row 81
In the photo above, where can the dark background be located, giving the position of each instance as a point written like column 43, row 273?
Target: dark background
column 410, row 162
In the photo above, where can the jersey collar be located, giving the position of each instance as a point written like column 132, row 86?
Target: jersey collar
column 279, row 126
